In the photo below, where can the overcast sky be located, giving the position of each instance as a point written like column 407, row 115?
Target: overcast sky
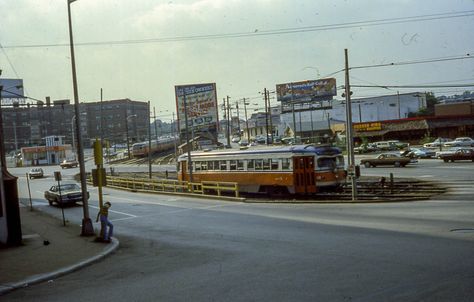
column 162, row 44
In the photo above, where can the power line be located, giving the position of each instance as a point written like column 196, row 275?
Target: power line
column 413, row 86
column 443, row 59
column 257, row 32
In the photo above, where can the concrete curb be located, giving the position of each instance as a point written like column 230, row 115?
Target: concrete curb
column 8, row 287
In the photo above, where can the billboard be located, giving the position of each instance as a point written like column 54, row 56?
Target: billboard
column 306, row 91
column 12, row 91
column 201, row 106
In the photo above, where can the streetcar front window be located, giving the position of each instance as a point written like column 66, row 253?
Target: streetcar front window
column 326, row 162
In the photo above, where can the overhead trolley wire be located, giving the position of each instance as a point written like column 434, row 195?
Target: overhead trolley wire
column 257, row 32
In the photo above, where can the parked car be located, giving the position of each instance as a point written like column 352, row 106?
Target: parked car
column 385, row 146
column 446, row 151
column 419, row 153
column 460, row 154
column 35, row 173
column 398, row 144
column 66, row 193
column 460, row 142
column 69, row 163
column 437, row 142
column 365, row 148
column 387, row 159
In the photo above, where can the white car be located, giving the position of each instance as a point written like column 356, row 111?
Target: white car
column 460, row 142
column 437, row 142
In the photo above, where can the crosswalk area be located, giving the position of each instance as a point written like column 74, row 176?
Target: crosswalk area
column 459, row 189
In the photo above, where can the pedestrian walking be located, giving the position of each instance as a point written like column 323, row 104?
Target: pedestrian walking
column 105, row 223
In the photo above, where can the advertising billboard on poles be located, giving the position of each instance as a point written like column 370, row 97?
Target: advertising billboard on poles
column 12, row 91
column 306, row 91
column 201, row 107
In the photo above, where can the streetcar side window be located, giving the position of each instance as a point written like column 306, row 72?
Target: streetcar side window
column 251, row 164
column 274, row 164
column 233, row 165
column 223, row 165
column 240, row 165
column 285, row 164
column 204, row 166
column 259, row 164
column 266, row 164
column 197, row 166
column 216, row 165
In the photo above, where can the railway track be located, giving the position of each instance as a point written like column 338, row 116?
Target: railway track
column 368, row 190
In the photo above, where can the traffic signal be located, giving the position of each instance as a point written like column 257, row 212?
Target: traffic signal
column 98, row 160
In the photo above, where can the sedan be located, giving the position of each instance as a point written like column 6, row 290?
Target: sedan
column 68, row 193
column 419, row 153
column 35, row 173
column 461, row 154
column 387, row 159
column 69, row 163
column 460, row 142
column 437, row 142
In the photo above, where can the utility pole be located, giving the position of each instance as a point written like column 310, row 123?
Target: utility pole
column 246, row 121
column 149, row 142
column 228, row 121
column 188, row 146
column 87, row 227
column 270, row 113
column 266, row 115
column 238, row 116
column 154, row 118
column 349, row 133
column 398, row 99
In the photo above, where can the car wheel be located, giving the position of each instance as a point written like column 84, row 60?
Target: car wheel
column 397, row 164
column 367, row 164
column 50, row 202
column 445, row 160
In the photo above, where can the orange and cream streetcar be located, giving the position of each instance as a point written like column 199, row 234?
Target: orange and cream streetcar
column 163, row 144
column 297, row 169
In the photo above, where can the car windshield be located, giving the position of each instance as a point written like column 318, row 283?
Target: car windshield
column 69, row 187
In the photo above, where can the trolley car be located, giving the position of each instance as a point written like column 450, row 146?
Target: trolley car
column 143, row 148
column 298, row 169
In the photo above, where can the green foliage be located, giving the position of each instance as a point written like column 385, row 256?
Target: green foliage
column 426, row 139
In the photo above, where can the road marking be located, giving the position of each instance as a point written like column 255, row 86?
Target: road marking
column 126, row 214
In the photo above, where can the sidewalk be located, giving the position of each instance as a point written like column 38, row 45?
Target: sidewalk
column 36, row 261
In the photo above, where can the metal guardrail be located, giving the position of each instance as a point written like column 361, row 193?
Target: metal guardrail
column 208, row 188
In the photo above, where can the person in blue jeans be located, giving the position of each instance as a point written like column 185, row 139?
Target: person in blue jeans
column 103, row 215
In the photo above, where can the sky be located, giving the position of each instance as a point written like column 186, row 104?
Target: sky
column 141, row 49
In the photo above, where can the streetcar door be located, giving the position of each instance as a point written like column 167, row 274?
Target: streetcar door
column 303, row 174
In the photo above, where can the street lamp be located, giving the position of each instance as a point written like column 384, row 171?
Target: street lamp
column 126, row 126
column 87, row 227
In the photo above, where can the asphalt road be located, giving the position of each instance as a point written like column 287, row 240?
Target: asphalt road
column 186, row 249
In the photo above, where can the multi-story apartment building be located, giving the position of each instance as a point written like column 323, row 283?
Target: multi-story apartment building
column 114, row 121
